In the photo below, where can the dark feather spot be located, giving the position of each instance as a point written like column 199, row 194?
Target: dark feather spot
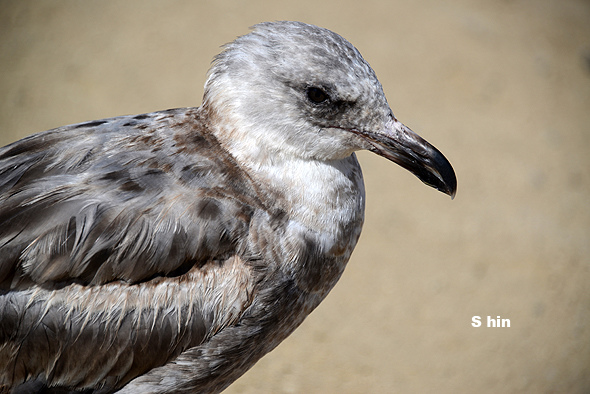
column 315, row 268
column 90, row 124
column 25, row 145
column 195, row 172
column 192, row 142
column 208, row 209
column 154, row 172
column 139, row 117
column 131, row 186
column 115, row 175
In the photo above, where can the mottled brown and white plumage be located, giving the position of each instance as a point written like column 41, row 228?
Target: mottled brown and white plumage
column 168, row 252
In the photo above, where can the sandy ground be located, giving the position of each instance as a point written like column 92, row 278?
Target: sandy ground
column 501, row 87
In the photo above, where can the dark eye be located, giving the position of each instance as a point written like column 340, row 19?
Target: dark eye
column 317, row 95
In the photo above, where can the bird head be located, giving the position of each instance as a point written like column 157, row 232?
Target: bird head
column 289, row 89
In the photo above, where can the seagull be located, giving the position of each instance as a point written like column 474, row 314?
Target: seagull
column 168, row 252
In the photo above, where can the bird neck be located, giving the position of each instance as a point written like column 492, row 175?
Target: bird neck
column 322, row 195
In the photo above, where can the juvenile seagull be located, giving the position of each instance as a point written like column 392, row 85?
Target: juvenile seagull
column 168, row 252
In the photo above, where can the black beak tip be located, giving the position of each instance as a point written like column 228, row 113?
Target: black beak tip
column 442, row 175
column 450, row 186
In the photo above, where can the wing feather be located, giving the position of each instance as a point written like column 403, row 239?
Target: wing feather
column 151, row 208
column 125, row 198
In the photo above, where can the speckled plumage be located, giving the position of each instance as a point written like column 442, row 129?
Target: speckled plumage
column 168, row 252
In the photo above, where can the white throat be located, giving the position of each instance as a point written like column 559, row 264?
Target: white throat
column 323, row 195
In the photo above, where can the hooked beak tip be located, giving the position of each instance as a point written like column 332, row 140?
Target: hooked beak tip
column 406, row 148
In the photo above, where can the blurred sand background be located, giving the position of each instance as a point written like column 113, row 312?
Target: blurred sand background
column 502, row 88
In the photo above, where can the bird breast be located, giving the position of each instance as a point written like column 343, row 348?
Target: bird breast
column 325, row 212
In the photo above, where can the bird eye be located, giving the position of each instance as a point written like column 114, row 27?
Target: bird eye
column 316, row 95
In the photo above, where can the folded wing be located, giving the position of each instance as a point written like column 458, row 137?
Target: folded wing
column 126, row 228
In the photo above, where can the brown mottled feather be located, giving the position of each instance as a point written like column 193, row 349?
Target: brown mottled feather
column 82, row 238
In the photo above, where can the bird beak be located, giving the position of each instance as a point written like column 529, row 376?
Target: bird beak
column 402, row 146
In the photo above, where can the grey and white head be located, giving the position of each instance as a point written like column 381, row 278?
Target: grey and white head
column 290, row 89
